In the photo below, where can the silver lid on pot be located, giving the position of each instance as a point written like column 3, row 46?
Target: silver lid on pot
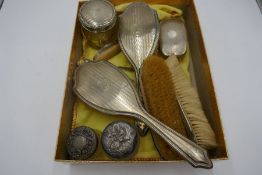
column 97, row 15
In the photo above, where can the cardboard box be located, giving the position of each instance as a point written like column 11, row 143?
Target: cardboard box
column 201, row 73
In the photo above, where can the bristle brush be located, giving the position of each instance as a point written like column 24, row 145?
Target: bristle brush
column 191, row 106
column 160, row 100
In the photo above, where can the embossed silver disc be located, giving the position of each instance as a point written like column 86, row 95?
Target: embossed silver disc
column 81, row 143
column 119, row 140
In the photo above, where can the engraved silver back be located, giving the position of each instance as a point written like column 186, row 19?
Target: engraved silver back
column 173, row 37
column 138, row 32
column 97, row 16
column 104, row 87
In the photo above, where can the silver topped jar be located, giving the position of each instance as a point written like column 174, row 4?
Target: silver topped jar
column 81, row 143
column 120, row 140
column 98, row 18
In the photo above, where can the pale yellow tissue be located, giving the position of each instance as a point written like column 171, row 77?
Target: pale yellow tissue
column 147, row 148
column 131, row 75
column 167, row 8
column 121, row 7
column 120, row 60
column 163, row 11
column 89, row 53
column 185, row 61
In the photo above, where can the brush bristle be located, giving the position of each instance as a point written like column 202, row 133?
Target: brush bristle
column 160, row 100
column 204, row 134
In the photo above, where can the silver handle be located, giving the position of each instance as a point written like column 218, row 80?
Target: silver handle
column 190, row 151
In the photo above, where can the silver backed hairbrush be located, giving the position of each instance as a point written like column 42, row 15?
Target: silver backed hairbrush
column 138, row 37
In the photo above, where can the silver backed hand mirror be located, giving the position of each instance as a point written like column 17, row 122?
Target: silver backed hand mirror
column 104, row 87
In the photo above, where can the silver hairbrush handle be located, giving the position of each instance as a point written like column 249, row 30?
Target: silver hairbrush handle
column 190, row 151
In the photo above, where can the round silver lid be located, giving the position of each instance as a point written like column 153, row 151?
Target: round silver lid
column 97, row 15
column 120, row 140
column 81, row 143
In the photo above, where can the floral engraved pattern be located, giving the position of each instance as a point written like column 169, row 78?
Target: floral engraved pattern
column 119, row 139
